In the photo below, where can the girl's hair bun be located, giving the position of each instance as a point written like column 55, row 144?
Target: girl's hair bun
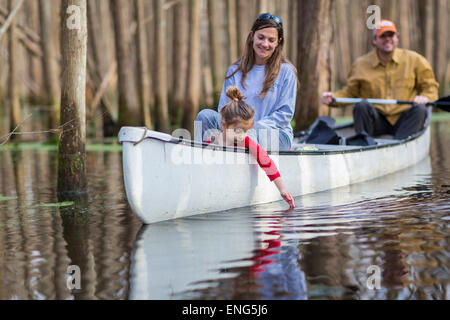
column 234, row 93
column 237, row 111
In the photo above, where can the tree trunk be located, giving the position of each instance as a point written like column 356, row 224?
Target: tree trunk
column 207, row 87
column 441, row 39
column 180, row 55
column 343, row 47
column 161, row 102
column 97, row 61
column 263, row 7
column 314, row 36
column 101, row 42
column 194, row 71
column 150, row 32
column 216, row 50
column 72, row 154
column 427, row 9
column 282, row 11
column 129, row 112
column 109, row 105
column 50, row 61
column 391, row 10
column 144, row 83
column 35, row 62
column 357, row 33
column 404, row 22
column 232, row 32
column 446, row 85
column 293, row 22
column 415, row 36
column 13, row 90
column 242, row 23
column 4, row 110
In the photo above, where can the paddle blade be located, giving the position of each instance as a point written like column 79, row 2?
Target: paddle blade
column 443, row 103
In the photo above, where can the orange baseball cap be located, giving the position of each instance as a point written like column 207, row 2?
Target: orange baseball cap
column 384, row 26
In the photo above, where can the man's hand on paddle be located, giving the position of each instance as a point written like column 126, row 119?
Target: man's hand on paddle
column 327, row 97
column 420, row 100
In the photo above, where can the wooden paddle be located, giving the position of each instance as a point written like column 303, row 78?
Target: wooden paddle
column 442, row 103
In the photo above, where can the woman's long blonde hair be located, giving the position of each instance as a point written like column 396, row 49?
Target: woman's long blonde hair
column 273, row 66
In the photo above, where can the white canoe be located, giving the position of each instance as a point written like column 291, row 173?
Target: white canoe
column 168, row 178
column 177, row 259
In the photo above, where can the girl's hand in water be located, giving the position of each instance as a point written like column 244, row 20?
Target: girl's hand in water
column 284, row 193
column 288, row 198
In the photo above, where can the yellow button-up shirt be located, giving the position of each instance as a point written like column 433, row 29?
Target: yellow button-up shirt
column 405, row 76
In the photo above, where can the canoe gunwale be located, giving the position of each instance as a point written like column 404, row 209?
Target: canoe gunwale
column 346, row 149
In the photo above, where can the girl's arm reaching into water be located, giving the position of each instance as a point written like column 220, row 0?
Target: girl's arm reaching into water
column 284, row 193
column 270, row 168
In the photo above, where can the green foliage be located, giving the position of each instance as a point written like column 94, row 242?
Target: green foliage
column 97, row 147
column 6, row 198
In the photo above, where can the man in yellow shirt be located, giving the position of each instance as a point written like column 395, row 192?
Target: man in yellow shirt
column 388, row 72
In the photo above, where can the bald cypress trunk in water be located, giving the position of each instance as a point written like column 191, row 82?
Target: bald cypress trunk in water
column 313, row 37
column 72, row 154
column 343, row 46
column 263, row 6
column 243, row 23
column 49, row 60
column 232, row 32
column 143, row 70
column 291, row 48
column 404, row 23
column 36, row 74
column 216, row 51
column 282, row 11
column 193, row 83
column 101, row 40
column 161, row 99
column 129, row 111
column 13, row 77
column 441, row 39
column 427, row 19
column 179, row 60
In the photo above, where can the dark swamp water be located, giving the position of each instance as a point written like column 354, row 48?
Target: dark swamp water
column 324, row 249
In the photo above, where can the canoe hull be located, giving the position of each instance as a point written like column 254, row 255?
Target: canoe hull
column 167, row 180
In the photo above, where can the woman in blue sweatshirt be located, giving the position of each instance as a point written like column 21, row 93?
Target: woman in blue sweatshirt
column 269, row 83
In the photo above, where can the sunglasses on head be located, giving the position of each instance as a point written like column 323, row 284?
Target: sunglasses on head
column 268, row 16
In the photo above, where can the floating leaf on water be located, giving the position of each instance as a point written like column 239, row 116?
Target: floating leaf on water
column 58, row 204
column 104, row 147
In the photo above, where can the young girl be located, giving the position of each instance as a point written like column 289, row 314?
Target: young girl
column 237, row 119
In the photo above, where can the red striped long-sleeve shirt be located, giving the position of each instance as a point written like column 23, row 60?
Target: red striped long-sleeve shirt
column 262, row 158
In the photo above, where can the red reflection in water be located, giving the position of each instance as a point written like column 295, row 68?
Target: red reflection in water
column 261, row 254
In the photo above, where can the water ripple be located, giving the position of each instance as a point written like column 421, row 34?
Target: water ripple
column 320, row 250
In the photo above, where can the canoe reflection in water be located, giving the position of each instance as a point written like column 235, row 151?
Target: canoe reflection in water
column 278, row 270
column 262, row 252
column 178, row 259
